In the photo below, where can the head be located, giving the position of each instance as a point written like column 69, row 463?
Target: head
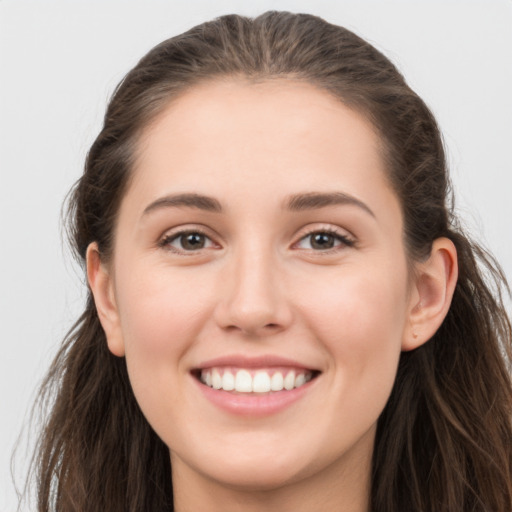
column 173, row 104
column 273, row 46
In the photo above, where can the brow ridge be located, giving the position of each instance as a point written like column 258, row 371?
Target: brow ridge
column 317, row 200
column 296, row 202
column 189, row 200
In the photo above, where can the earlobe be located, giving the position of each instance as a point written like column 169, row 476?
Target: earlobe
column 432, row 294
column 101, row 285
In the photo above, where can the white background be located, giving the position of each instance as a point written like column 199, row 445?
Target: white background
column 59, row 62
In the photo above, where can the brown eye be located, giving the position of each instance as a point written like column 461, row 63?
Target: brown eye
column 323, row 241
column 192, row 241
column 187, row 241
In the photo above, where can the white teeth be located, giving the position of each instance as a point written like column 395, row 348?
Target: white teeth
column 243, row 381
column 261, row 382
column 228, row 381
column 277, row 382
column 289, row 380
column 206, row 377
column 216, row 379
column 300, row 380
column 258, row 382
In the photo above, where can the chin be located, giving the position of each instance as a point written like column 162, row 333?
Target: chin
column 251, row 466
column 256, row 476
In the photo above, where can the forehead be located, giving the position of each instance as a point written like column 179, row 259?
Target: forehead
column 246, row 111
column 234, row 137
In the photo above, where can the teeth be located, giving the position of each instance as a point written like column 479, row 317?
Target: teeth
column 206, row 377
column 216, row 379
column 243, row 381
column 260, row 381
column 300, row 380
column 289, row 381
column 277, row 382
column 228, row 381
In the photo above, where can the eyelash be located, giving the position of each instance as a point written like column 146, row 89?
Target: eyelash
column 168, row 239
column 344, row 239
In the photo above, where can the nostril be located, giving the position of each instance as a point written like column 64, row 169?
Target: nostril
column 253, row 329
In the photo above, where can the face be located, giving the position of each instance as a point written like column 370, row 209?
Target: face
column 259, row 246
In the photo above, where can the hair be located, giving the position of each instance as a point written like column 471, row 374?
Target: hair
column 443, row 441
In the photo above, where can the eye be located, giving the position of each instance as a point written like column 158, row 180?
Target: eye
column 324, row 240
column 187, row 241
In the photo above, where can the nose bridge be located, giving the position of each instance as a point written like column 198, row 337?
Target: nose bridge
column 253, row 298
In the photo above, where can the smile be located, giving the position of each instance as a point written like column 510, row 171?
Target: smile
column 242, row 380
column 254, row 386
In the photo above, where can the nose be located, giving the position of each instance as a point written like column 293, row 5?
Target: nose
column 253, row 298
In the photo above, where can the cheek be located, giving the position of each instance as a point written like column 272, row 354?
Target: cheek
column 158, row 310
column 353, row 305
column 161, row 314
column 359, row 319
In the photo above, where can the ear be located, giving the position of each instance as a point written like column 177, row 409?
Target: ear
column 102, row 287
column 432, row 292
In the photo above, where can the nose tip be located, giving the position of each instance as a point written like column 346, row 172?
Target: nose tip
column 253, row 303
column 253, row 322
column 252, row 314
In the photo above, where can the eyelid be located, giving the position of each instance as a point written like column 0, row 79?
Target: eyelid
column 346, row 238
column 174, row 233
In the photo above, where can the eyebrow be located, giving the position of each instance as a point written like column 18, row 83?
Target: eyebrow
column 295, row 203
column 316, row 200
column 197, row 201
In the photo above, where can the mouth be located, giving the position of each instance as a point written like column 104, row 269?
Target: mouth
column 255, row 381
column 254, row 386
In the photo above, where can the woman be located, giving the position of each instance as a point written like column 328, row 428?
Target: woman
column 283, row 312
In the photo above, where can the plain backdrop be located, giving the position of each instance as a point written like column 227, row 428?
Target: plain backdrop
column 60, row 61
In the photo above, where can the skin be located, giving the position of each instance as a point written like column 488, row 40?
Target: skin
column 259, row 286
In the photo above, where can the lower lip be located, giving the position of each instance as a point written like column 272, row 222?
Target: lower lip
column 254, row 404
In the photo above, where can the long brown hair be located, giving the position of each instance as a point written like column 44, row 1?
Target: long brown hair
column 444, row 438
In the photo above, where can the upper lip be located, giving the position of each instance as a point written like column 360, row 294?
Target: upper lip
column 243, row 361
